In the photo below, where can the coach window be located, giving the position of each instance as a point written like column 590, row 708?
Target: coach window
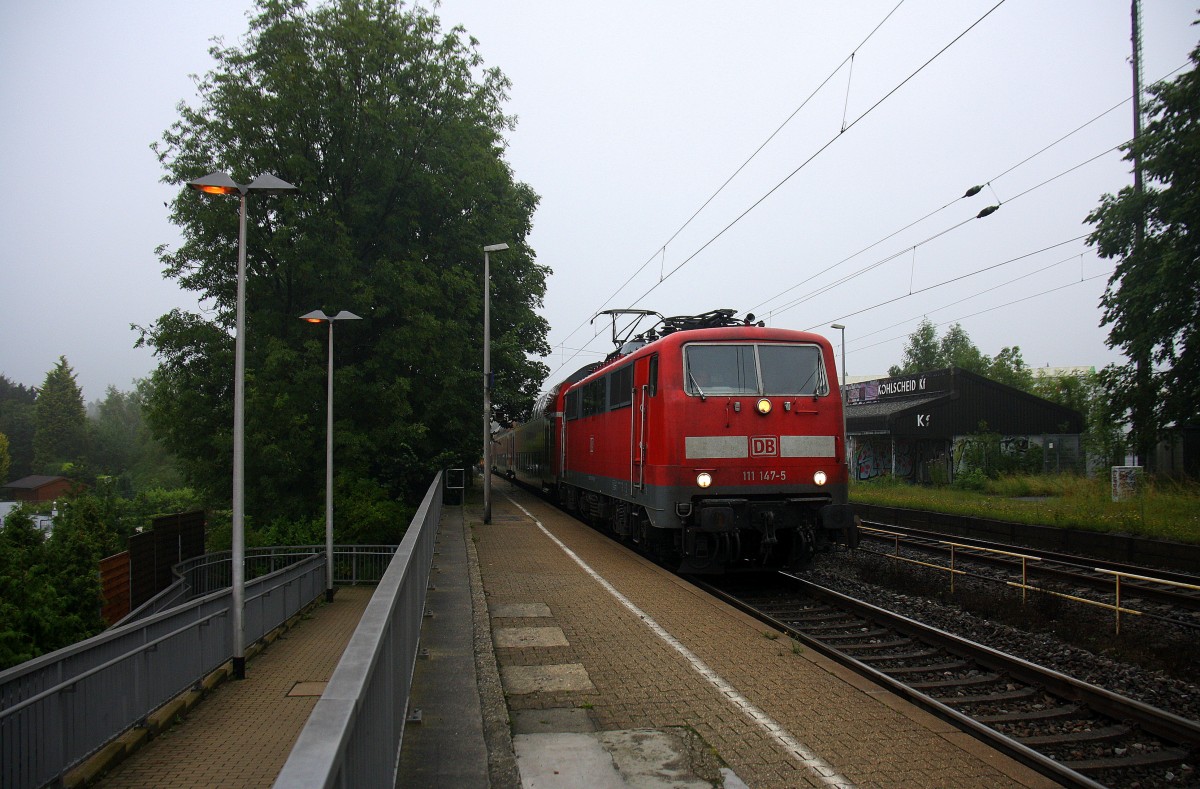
column 571, row 405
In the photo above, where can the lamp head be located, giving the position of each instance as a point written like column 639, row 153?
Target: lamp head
column 216, row 184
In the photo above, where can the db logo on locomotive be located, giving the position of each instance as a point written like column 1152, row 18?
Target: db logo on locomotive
column 764, row 446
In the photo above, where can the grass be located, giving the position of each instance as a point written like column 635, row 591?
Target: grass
column 1163, row 509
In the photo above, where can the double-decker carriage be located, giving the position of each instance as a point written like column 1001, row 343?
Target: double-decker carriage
column 713, row 443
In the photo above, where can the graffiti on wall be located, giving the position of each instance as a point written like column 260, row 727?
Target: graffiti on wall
column 971, row 452
column 919, row 461
column 874, row 458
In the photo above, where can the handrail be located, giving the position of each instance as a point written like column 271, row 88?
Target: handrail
column 59, row 708
column 1024, row 585
column 354, row 734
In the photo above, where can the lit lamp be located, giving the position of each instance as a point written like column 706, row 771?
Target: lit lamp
column 317, row 316
column 487, row 384
column 222, row 184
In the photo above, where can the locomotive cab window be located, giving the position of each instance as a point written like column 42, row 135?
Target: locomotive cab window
column 757, row 369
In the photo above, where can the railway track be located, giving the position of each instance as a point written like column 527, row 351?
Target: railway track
column 1077, row 733
column 1174, row 597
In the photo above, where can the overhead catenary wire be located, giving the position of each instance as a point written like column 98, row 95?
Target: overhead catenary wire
column 953, row 280
column 1006, row 283
column 992, row 309
column 846, row 127
column 662, row 251
column 818, row 152
column 775, row 312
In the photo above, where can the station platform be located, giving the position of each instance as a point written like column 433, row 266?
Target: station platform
column 593, row 667
column 554, row 657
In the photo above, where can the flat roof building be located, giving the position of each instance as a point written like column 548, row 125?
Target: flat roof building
column 920, row 426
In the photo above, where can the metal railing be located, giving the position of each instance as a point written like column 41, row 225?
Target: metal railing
column 200, row 575
column 58, row 709
column 1024, row 584
column 354, row 733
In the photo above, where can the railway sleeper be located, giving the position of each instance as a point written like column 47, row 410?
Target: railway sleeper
column 871, row 646
column 1161, row 758
column 1063, row 712
column 1102, row 734
column 901, row 670
column 960, row 682
column 989, row 698
column 807, row 617
column 798, row 616
column 843, row 629
column 919, row 654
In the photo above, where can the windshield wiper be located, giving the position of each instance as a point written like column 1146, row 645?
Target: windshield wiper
column 696, row 384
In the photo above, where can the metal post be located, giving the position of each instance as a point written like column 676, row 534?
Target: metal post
column 222, row 184
column 329, row 476
column 239, row 455
column 487, row 392
column 487, row 383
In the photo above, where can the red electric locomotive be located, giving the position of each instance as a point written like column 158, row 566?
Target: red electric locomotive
column 714, row 443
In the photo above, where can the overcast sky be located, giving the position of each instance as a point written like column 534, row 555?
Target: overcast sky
column 632, row 115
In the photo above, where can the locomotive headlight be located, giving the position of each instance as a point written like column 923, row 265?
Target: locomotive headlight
column 819, row 477
column 704, row 479
column 764, row 406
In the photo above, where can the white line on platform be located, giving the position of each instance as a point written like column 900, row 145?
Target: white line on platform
column 821, row 769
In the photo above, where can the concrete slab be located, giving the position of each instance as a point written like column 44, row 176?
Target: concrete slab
column 307, row 689
column 649, row 759
column 553, row 720
column 530, row 637
column 565, row 760
column 521, row 680
column 520, row 610
column 633, row 759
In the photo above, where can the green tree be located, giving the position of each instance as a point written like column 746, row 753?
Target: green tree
column 5, row 458
column 1103, row 439
column 60, row 435
column 1152, row 303
column 925, row 351
column 957, row 350
column 921, row 353
column 1009, row 367
column 393, row 131
column 124, row 448
column 17, row 422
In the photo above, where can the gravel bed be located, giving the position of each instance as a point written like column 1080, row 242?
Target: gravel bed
column 840, row 573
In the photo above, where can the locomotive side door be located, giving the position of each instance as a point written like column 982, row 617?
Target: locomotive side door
column 645, row 383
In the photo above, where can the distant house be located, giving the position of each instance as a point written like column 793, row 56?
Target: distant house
column 38, row 488
column 917, row 426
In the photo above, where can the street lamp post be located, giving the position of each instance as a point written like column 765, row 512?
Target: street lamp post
column 845, row 445
column 221, row 184
column 318, row 316
column 487, row 383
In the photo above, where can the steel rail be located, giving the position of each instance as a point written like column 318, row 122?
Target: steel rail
column 1163, row 724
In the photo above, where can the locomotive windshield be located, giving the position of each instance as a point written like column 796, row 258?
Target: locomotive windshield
column 754, row 369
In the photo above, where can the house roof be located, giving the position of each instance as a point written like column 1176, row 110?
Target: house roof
column 32, row 482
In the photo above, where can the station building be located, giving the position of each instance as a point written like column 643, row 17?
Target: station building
column 921, row 426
